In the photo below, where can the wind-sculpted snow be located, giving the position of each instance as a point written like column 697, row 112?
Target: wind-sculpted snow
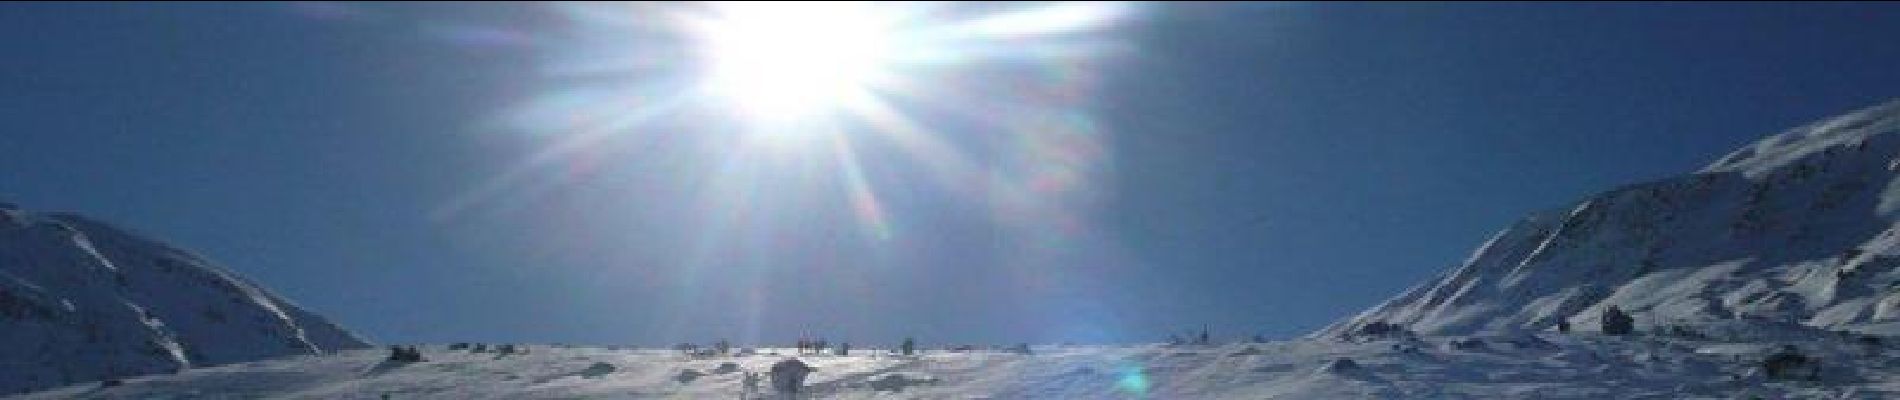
column 1799, row 227
column 1718, row 364
column 82, row 301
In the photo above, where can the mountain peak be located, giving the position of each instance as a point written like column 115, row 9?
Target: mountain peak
column 1846, row 130
column 1798, row 227
column 81, row 300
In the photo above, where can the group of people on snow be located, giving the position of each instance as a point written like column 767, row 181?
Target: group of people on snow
column 813, row 346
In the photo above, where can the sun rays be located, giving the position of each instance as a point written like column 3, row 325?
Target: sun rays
column 1014, row 78
column 865, row 115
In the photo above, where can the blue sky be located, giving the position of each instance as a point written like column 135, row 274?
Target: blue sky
column 1256, row 168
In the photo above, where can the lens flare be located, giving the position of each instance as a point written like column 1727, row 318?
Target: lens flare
column 774, row 121
column 1132, row 381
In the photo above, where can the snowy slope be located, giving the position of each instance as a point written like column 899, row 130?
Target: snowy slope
column 81, row 301
column 1545, row 365
column 1799, row 227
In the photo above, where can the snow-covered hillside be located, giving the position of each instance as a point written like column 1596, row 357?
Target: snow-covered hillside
column 1543, row 365
column 81, row 301
column 1799, row 227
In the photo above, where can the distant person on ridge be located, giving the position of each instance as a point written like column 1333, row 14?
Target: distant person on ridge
column 1616, row 322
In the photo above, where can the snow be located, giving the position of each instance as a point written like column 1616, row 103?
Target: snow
column 81, row 301
column 1799, row 227
column 1545, row 365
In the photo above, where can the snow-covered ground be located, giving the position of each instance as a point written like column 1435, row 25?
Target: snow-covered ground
column 1543, row 365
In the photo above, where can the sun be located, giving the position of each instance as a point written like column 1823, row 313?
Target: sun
column 793, row 59
column 758, row 105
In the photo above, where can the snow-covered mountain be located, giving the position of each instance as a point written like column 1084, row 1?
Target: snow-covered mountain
column 1799, row 227
column 82, row 301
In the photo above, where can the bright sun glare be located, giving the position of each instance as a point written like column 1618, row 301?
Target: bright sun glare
column 794, row 59
column 989, row 100
column 772, row 135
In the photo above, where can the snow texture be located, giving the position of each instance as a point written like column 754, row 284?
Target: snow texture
column 1798, row 228
column 1542, row 365
column 83, row 301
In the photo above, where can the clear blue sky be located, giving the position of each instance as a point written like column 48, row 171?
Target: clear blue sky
column 1256, row 168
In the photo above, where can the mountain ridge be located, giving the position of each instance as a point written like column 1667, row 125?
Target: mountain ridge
column 1798, row 226
column 82, row 300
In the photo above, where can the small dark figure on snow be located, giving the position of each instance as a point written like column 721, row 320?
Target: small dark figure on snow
column 807, row 346
column 910, row 346
column 751, row 383
column 789, row 375
column 1869, row 340
column 1791, row 364
column 1616, row 322
column 1380, row 328
column 1563, row 326
column 404, row 354
column 1203, row 339
column 844, row 349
